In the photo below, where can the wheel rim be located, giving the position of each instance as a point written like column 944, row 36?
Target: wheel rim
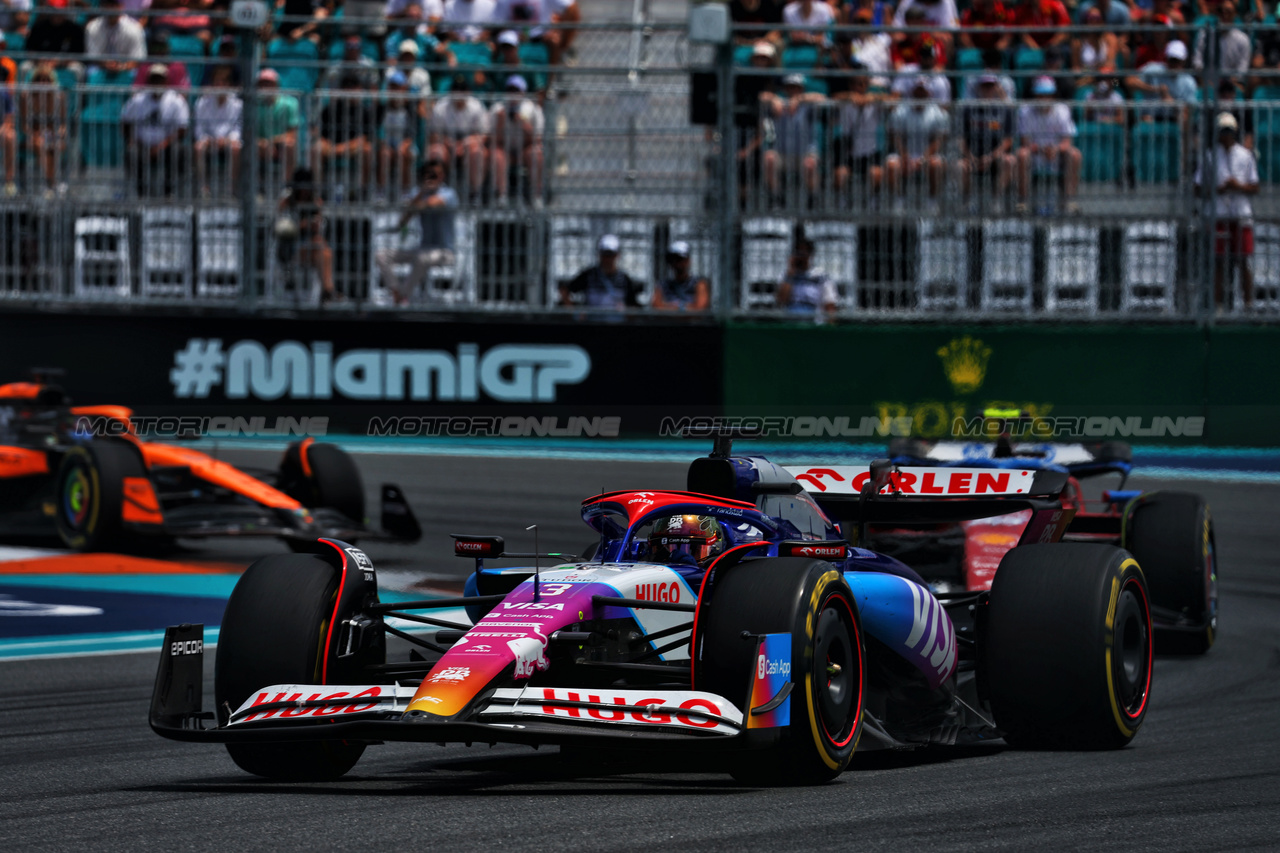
column 77, row 498
column 1131, row 667
column 837, row 677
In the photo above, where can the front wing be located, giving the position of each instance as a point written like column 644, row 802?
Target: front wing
column 526, row 715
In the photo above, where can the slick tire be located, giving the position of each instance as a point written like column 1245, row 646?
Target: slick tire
column 1068, row 647
column 90, row 494
column 810, row 600
column 322, row 476
column 1171, row 536
column 274, row 631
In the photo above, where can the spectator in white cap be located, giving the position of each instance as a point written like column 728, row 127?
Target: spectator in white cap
column 407, row 62
column 795, row 147
column 1047, row 132
column 680, row 290
column 1237, row 180
column 602, row 285
column 155, row 122
column 1165, row 81
column 518, row 124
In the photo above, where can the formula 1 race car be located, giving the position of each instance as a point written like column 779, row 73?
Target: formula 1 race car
column 732, row 617
column 1170, row 533
column 110, row 492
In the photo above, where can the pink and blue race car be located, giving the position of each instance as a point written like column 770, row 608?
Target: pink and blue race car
column 739, row 617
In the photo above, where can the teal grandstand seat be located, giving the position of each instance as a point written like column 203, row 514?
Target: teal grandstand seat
column 969, row 59
column 1157, row 152
column 189, row 47
column 1101, row 150
column 535, row 53
column 1027, row 60
column 296, row 62
column 800, row 57
column 101, row 139
column 1266, row 129
column 14, row 42
column 741, row 54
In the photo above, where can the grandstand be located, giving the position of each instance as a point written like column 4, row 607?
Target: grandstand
column 1000, row 162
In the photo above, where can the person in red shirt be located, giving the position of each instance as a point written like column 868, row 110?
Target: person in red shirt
column 907, row 47
column 1050, row 14
column 977, row 20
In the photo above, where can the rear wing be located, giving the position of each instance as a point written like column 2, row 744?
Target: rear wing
column 903, row 494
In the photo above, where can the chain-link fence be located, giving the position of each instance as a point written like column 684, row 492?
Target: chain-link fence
column 796, row 175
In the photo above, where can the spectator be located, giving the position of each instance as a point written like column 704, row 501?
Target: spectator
column 1266, row 55
column 986, row 139
column 301, row 19
column 938, row 84
column 469, row 20
column 908, row 48
column 939, row 14
column 155, row 122
column 1113, row 13
column 352, row 61
column 219, row 117
column 1050, row 15
column 533, row 16
column 982, row 26
column 226, row 51
column 507, row 57
column 1151, row 45
column 992, row 66
column 803, row 290
column 917, row 131
column 748, row 117
column 518, row 125
column 1093, row 52
column 406, row 13
column 348, row 128
column 603, row 285
column 871, row 49
column 808, row 13
column 1105, row 104
column 1237, row 179
column 857, row 147
column 56, row 32
column 1047, row 131
column 15, row 15
column 879, row 13
column 1163, row 12
column 191, row 23
column 436, row 206
column 1229, row 101
column 763, row 13
column 459, row 135
column 42, row 108
column 278, row 120
column 158, row 50
column 300, row 226
column 1166, row 81
column 680, row 290
column 114, row 34
column 795, row 148
column 294, row 53
column 1233, row 49
column 397, row 149
column 407, row 63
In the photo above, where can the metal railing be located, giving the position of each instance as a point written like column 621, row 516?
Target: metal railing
column 976, row 205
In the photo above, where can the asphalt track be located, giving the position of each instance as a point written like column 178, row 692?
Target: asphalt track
column 80, row 770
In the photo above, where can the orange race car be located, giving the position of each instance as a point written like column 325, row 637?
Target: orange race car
column 106, row 493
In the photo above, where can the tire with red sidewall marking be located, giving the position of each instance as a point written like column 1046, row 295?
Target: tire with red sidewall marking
column 811, row 600
column 1171, row 535
column 1068, row 647
column 275, row 631
column 89, row 496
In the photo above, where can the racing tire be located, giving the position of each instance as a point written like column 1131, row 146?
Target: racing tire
column 322, row 476
column 1068, row 648
column 90, row 494
column 810, row 600
column 1171, row 536
column 274, row 631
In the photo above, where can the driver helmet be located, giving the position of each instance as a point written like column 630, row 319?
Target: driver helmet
column 686, row 538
